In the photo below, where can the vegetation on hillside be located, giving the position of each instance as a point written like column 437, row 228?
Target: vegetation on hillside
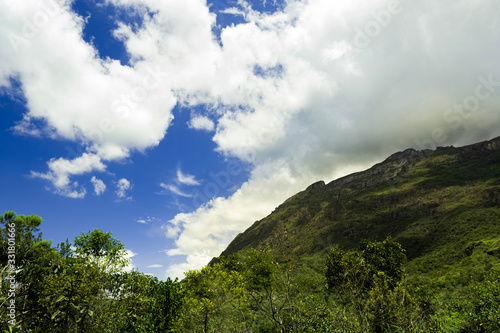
column 443, row 207
column 82, row 287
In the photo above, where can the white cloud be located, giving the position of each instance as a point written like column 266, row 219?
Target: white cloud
column 155, row 266
column 174, row 189
column 336, row 50
column 110, row 108
column 61, row 169
column 200, row 259
column 181, row 179
column 149, row 220
column 99, row 186
column 129, row 255
column 186, row 179
column 172, row 229
column 122, row 186
column 26, row 127
column 202, row 123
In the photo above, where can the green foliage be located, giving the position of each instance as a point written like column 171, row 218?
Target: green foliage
column 479, row 304
column 168, row 300
column 61, row 290
column 347, row 274
column 368, row 282
column 364, row 289
column 210, row 295
column 387, row 256
column 269, row 287
column 352, row 273
column 393, row 309
column 26, row 233
column 102, row 248
column 66, row 294
column 261, row 271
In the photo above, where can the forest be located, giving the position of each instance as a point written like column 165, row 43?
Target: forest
column 81, row 286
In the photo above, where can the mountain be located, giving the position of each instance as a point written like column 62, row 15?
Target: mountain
column 442, row 205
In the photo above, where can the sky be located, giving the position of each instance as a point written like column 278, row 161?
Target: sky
column 178, row 124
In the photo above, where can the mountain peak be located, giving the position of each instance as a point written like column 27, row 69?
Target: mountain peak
column 409, row 193
column 315, row 186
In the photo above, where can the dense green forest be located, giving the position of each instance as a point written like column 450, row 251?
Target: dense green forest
column 409, row 245
column 81, row 287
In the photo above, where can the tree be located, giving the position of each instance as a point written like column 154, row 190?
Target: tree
column 68, row 294
column 101, row 247
column 392, row 308
column 26, row 231
column 214, row 296
column 77, row 289
column 368, row 280
column 352, row 272
column 269, row 287
column 168, row 300
column 387, row 256
column 21, row 246
column 112, row 308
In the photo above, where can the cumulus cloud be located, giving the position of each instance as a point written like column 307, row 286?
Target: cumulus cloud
column 111, row 109
column 155, row 266
column 129, row 255
column 172, row 229
column 122, row 186
column 99, row 186
column 202, row 123
column 60, row 171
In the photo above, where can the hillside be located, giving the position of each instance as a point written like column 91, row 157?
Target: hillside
column 442, row 205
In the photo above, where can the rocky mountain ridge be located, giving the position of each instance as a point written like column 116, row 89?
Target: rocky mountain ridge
column 406, row 196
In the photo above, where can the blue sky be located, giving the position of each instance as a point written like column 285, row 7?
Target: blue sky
column 176, row 125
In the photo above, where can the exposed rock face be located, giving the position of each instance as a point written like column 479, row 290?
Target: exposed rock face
column 315, row 186
column 385, row 172
column 394, row 167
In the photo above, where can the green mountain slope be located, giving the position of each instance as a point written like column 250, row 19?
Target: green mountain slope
column 442, row 205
